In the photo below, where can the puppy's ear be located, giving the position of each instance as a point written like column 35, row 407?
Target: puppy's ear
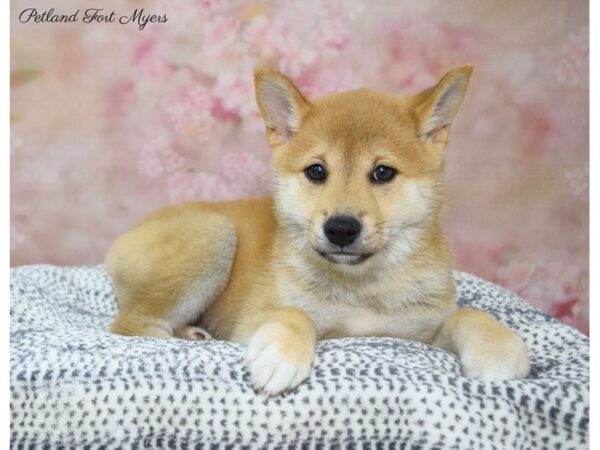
column 281, row 103
column 436, row 108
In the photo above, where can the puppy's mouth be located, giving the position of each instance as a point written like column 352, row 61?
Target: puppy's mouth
column 345, row 257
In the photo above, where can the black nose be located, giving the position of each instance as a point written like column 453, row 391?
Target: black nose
column 342, row 230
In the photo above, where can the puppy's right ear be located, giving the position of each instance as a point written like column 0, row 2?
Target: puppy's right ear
column 281, row 103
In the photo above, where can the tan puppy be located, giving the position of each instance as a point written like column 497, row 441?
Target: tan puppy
column 351, row 244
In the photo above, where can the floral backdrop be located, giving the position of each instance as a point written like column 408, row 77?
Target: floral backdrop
column 110, row 122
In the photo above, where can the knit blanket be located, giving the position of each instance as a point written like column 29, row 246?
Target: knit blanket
column 75, row 385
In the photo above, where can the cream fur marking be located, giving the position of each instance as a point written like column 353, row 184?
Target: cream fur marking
column 288, row 203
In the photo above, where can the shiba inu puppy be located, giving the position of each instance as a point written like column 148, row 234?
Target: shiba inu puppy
column 350, row 243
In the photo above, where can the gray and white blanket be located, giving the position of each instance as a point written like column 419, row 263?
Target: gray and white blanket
column 74, row 385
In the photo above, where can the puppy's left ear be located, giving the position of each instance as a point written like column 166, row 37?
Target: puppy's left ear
column 436, row 108
column 282, row 105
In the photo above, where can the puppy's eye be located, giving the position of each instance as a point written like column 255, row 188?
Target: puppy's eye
column 383, row 174
column 316, row 173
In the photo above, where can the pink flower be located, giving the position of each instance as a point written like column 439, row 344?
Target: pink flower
column 319, row 81
column 185, row 11
column 246, row 172
column 208, row 186
column 220, row 32
column 119, row 97
column 171, row 160
column 516, row 275
column 573, row 67
column 239, row 97
column 409, row 65
column 207, row 7
column 239, row 175
column 461, row 40
column 551, row 285
column 330, row 36
column 257, row 35
column 191, row 186
column 296, row 60
column 567, row 73
column 226, row 65
column 150, row 166
column 158, row 157
column 253, row 123
column 579, row 184
column 420, row 49
column 514, row 70
column 222, row 114
column 296, row 52
column 178, row 187
column 149, row 163
column 242, row 164
column 578, row 46
column 147, row 59
column 189, row 111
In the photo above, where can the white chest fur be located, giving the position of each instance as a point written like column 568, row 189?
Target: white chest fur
column 335, row 320
column 379, row 306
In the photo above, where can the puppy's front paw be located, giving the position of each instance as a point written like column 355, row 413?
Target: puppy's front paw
column 278, row 358
column 502, row 358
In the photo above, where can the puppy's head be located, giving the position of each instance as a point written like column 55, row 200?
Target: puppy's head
column 358, row 173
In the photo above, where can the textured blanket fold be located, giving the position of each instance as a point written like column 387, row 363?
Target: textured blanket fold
column 75, row 385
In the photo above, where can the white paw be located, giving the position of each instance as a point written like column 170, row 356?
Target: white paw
column 496, row 361
column 273, row 369
column 193, row 333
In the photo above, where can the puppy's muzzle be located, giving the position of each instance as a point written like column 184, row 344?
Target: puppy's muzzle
column 342, row 230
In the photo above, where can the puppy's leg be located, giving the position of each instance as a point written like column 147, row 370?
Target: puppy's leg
column 487, row 349
column 281, row 348
column 168, row 269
